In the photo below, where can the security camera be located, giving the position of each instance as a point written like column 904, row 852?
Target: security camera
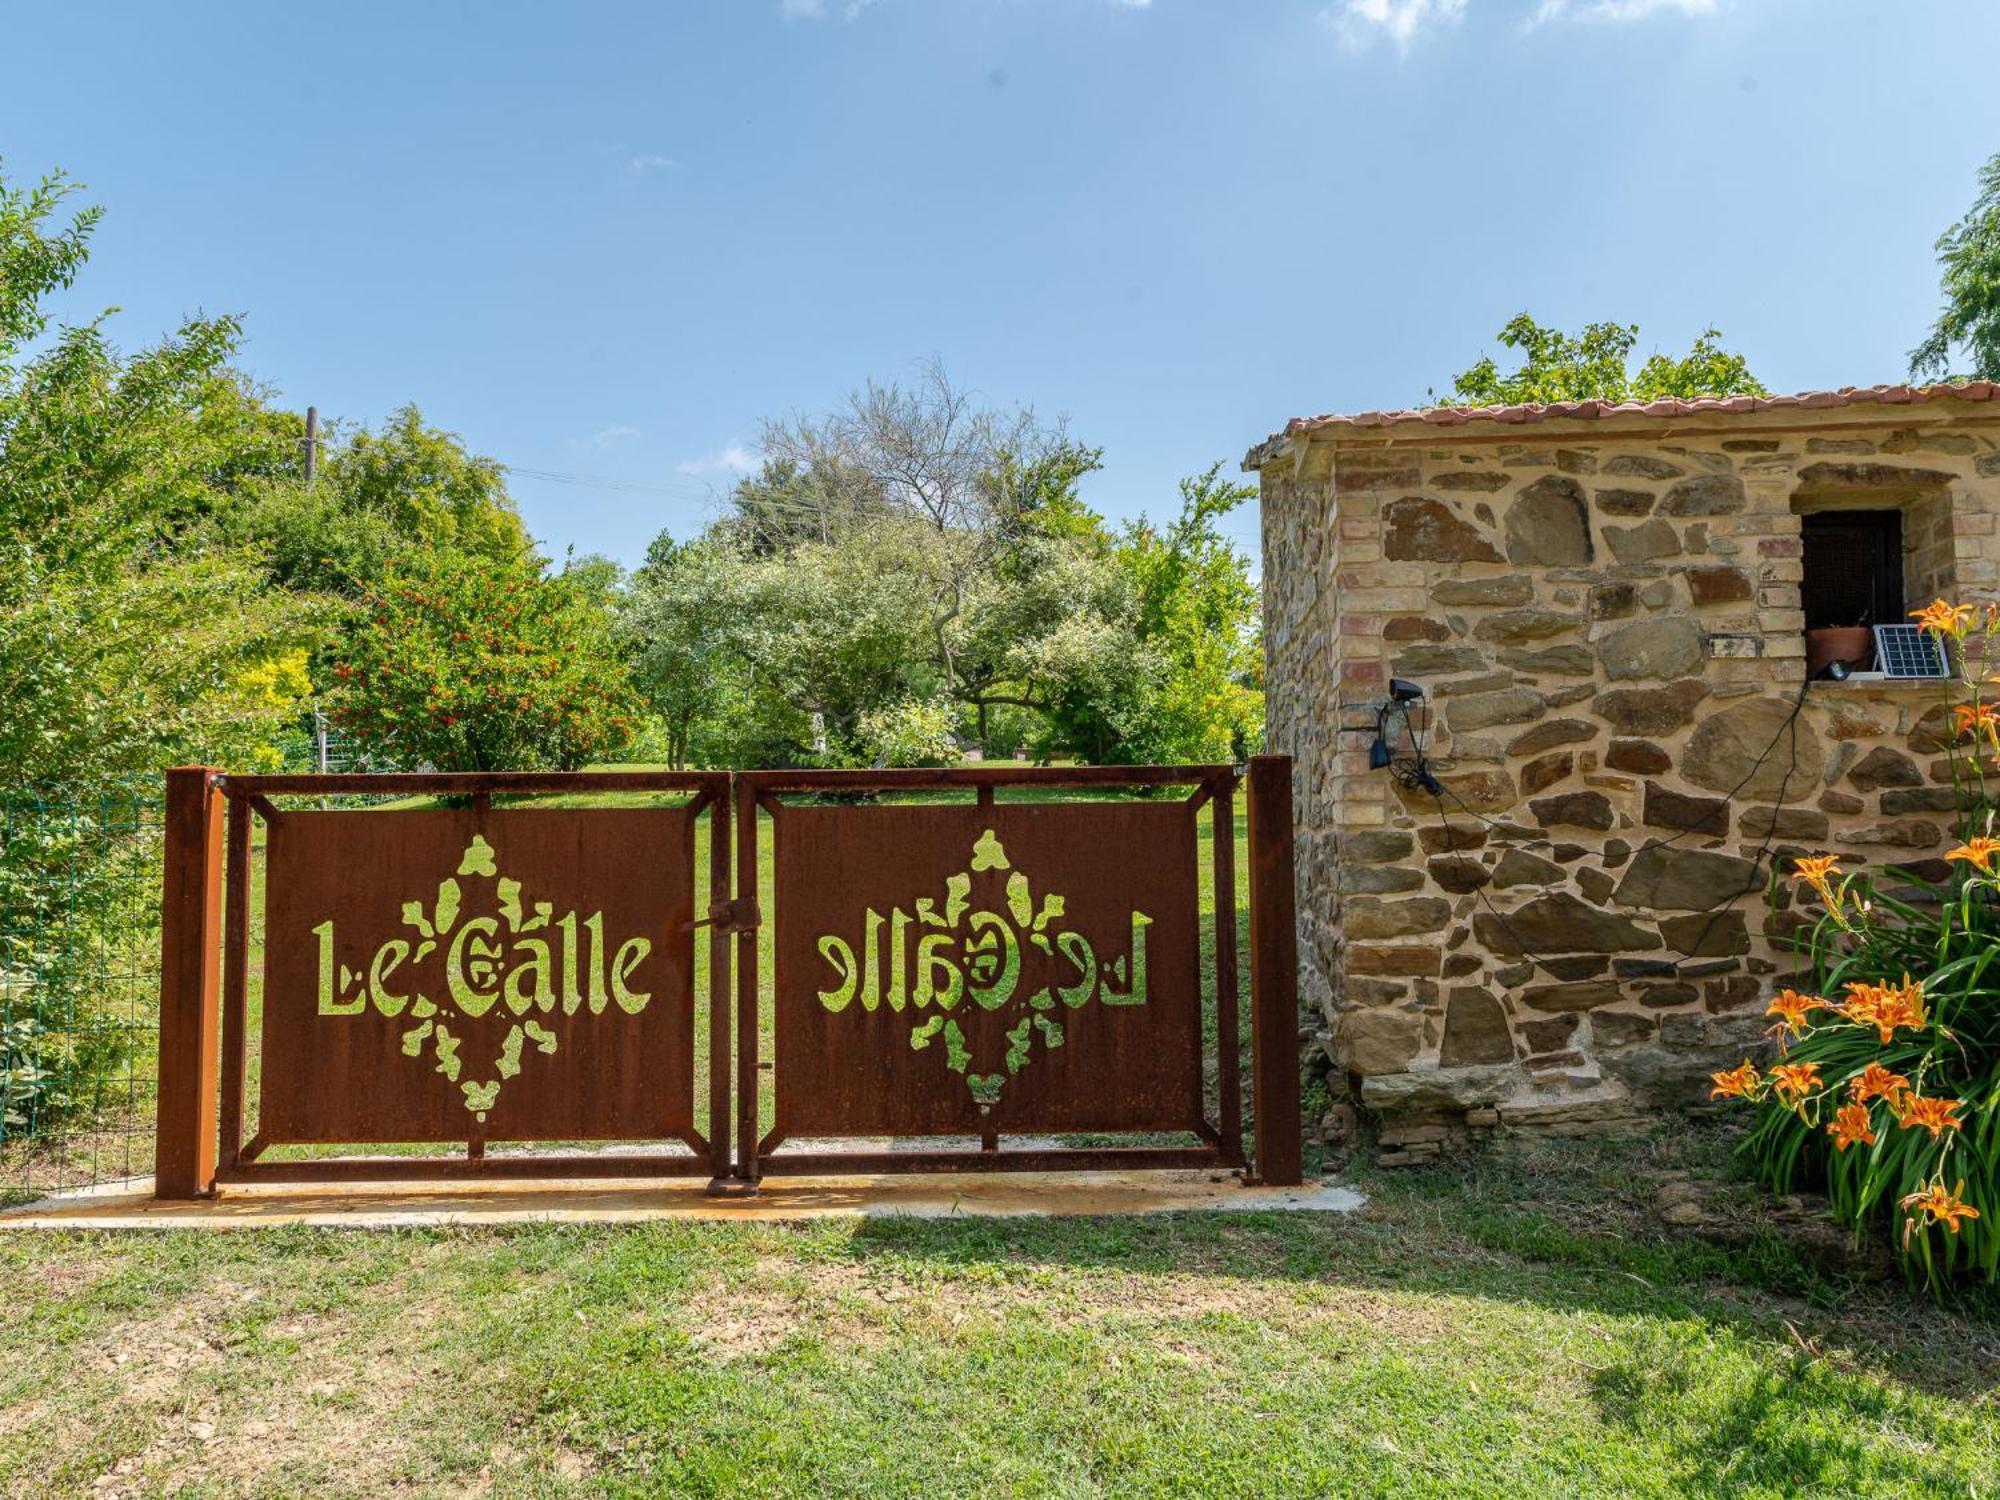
column 1404, row 692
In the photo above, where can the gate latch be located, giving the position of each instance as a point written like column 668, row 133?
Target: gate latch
column 740, row 915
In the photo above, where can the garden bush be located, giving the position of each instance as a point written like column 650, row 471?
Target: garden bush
column 912, row 732
column 463, row 663
column 79, row 916
column 1887, row 1086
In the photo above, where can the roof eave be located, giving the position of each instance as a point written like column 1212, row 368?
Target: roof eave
column 1445, row 424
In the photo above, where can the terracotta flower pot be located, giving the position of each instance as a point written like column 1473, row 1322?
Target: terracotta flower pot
column 1853, row 644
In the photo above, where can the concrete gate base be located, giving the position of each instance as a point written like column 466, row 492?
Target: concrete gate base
column 131, row 1204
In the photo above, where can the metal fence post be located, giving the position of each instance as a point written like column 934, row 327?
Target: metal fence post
column 1274, row 973
column 190, row 953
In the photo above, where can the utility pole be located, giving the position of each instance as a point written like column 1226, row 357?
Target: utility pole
column 312, row 443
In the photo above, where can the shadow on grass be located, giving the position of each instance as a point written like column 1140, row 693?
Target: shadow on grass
column 1565, row 1228
column 1769, row 1429
column 1744, row 1368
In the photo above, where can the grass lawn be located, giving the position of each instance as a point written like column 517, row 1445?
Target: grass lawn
column 1508, row 1325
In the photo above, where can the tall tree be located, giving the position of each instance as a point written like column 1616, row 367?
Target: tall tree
column 128, row 635
column 947, row 485
column 1969, row 258
column 1595, row 365
column 1198, row 608
column 378, row 496
column 913, row 570
column 430, row 485
column 683, row 623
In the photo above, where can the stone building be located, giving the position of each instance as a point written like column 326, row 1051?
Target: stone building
column 1605, row 607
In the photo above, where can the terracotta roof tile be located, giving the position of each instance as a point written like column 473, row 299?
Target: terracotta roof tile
column 1460, row 416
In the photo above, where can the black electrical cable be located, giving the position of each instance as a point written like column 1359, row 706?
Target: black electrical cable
column 1418, row 775
column 1479, row 891
column 1716, row 910
column 1798, row 704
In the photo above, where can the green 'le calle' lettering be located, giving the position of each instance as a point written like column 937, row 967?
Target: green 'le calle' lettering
column 965, row 949
column 488, row 961
column 330, row 1002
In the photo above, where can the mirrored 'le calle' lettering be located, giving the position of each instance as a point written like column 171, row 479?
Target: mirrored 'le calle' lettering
column 508, row 962
column 934, row 959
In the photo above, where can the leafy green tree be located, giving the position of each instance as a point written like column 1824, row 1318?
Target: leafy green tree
column 914, row 569
column 1198, row 608
column 428, row 485
column 1165, row 664
column 1969, row 255
column 775, row 659
column 681, row 623
column 794, row 501
column 829, row 633
column 468, row 663
column 1049, row 558
column 378, row 496
column 942, row 482
column 1594, row 365
column 129, row 637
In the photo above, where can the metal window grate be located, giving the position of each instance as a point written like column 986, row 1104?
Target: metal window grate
column 1853, row 567
column 1908, row 651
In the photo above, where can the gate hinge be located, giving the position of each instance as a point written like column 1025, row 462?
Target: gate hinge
column 740, row 915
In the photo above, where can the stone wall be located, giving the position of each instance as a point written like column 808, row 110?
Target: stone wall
column 1606, row 619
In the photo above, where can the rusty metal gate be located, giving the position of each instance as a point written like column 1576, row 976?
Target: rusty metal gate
column 459, row 974
column 960, row 984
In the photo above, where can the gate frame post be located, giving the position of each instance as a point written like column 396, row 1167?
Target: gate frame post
column 184, row 1157
column 1274, row 974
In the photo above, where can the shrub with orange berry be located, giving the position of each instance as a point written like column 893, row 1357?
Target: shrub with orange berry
column 467, row 664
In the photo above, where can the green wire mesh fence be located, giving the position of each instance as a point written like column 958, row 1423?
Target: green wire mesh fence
column 79, row 987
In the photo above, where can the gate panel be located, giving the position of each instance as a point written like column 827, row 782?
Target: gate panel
column 472, row 976
column 455, row 974
column 970, row 970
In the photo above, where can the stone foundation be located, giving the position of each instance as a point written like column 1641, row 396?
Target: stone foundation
column 1605, row 616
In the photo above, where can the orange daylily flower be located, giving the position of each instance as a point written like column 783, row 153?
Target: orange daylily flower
column 1852, row 1127
column 1794, row 1081
column 1945, row 619
column 1940, row 1207
column 1977, row 852
column 1792, row 1008
column 1975, row 719
column 1736, row 1083
column 1906, row 1003
column 1817, row 871
column 1886, row 1007
column 1935, row 1115
column 1877, row 1082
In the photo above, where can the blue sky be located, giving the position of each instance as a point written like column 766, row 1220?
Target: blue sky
column 605, row 239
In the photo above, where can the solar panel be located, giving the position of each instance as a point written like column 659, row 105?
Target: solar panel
column 1908, row 651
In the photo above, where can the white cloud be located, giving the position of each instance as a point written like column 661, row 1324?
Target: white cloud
column 611, row 437
column 643, row 162
column 1618, row 10
column 734, row 459
column 1361, row 23
column 819, row 10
